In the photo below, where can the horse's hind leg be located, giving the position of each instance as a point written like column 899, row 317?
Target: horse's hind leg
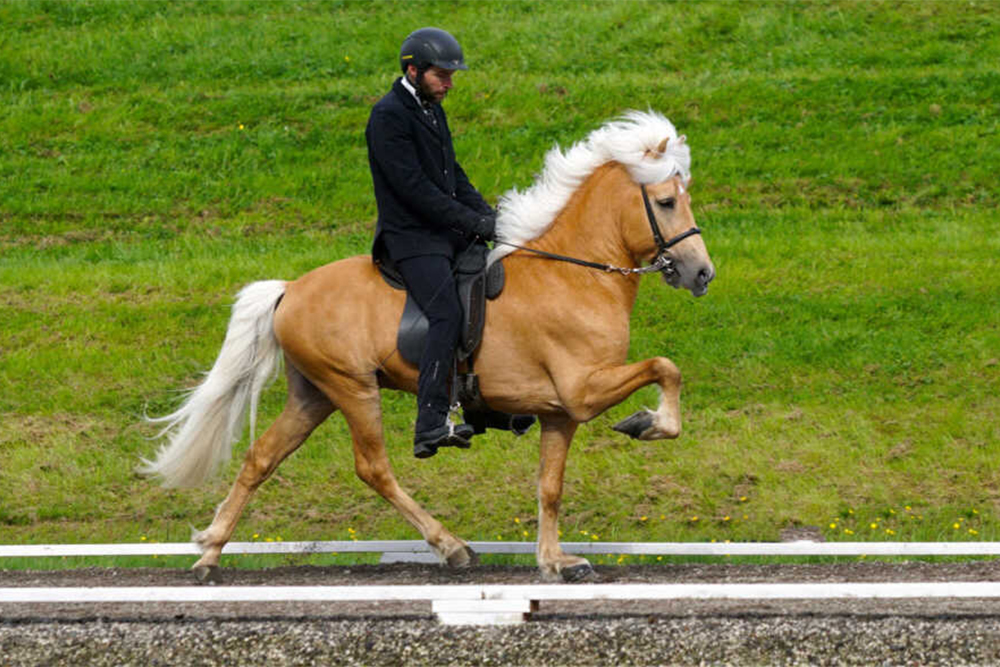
column 306, row 408
column 360, row 404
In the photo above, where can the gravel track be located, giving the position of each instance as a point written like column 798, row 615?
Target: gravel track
column 719, row 632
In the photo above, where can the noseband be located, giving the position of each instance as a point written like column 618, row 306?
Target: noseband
column 662, row 262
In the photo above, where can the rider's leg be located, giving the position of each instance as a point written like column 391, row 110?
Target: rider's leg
column 430, row 282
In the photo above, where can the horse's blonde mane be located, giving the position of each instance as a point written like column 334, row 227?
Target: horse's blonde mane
column 632, row 141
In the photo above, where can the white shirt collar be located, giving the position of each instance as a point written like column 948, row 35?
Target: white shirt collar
column 413, row 91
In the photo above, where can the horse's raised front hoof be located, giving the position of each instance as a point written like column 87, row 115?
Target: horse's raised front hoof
column 636, row 425
column 462, row 558
column 577, row 572
column 207, row 574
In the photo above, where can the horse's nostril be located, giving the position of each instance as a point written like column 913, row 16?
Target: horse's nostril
column 705, row 276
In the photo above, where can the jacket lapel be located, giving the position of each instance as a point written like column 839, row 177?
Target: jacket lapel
column 410, row 103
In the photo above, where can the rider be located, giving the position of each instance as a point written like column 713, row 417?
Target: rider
column 428, row 213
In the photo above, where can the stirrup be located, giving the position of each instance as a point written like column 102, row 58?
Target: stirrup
column 449, row 434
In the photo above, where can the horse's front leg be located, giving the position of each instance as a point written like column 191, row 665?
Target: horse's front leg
column 557, row 433
column 607, row 387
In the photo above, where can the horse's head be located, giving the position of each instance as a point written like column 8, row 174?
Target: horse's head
column 660, row 223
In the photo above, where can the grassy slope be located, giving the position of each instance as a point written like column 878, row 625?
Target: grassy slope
column 154, row 157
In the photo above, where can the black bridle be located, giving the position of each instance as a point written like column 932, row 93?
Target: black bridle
column 662, row 262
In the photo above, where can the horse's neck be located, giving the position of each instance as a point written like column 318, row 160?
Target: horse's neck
column 589, row 228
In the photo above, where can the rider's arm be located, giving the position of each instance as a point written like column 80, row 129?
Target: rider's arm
column 392, row 149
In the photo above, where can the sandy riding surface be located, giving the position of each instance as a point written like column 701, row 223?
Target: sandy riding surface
column 862, row 632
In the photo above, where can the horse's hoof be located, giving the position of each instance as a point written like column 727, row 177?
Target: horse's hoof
column 208, row 574
column 462, row 559
column 636, row 425
column 577, row 572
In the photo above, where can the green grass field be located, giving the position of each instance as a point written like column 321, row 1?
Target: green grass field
column 843, row 371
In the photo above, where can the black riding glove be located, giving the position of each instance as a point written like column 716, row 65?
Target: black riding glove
column 485, row 227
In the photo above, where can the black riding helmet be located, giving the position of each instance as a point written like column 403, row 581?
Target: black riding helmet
column 429, row 47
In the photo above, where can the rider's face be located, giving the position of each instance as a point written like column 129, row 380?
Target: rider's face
column 435, row 84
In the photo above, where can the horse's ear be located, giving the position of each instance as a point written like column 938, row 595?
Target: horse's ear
column 662, row 148
column 681, row 139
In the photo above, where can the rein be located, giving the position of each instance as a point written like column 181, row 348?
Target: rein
column 662, row 262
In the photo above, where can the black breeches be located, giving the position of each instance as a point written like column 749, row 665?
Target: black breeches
column 430, row 282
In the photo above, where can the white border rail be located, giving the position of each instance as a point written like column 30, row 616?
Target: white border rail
column 500, row 604
column 759, row 591
column 419, row 547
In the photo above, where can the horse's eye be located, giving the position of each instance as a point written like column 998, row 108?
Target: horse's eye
column 669, row 202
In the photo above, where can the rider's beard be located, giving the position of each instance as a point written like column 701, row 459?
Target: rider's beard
column 428, row 95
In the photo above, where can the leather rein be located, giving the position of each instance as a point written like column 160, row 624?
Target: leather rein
column 662, row 262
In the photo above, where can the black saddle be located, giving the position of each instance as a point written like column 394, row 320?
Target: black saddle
column 475, row 284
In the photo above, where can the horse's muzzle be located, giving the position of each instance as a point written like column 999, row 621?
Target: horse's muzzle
column 699, row 286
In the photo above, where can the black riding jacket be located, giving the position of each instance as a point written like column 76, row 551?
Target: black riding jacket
column 426, row 204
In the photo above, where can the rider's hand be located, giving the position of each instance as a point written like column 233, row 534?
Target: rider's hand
column 485, row 227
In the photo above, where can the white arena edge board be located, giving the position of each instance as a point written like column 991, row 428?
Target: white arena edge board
column 583, row 548
column 760, row 591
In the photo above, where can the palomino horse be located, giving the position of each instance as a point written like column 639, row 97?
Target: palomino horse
column 554, row 345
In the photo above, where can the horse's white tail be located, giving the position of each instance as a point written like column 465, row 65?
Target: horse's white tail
column 202, row 431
